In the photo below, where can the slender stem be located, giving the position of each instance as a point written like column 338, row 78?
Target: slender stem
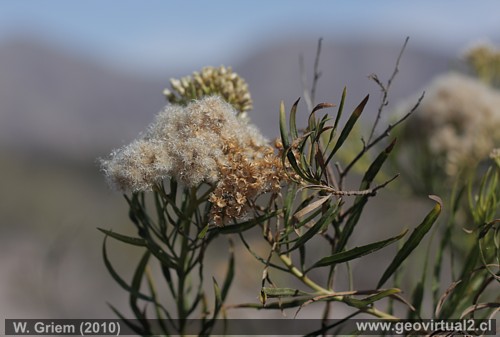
column 310, row 95
column 385, row 90
column 189, row 207
column 306, row 280
column 317, row 73
column 384, row 134
column 349, row 276
column 378, row 313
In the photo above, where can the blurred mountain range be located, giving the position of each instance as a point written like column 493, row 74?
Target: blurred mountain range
column 55, row 101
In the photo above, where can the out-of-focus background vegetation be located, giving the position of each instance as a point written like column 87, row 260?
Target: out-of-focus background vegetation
column 78, row 79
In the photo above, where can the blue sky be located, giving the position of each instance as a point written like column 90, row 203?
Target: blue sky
column 146, row 34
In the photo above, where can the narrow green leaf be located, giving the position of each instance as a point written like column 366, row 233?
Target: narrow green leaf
column 306, row 221
column 243, row 226
column 123, row 238
column 311, row 122
column 444, row 297
column 129, row 323
column 160, row 211
column 161, row 312
column 318, row 226
column 288, row 204
column 322, row 128
column 417, row 298
column 293, row 120
column 230, row 273
column 136, row 285
column 283, row 131
column 456, row 198
column 364, row 302
column 132, row 203
column 360, row 201
column 436, row 277
column 265, row 261
column 203, row 232
column 218, row 298
column 302, row 254
column 283, row 292
column 194, row 304
column 375, row 167
column 117, row 277
column 173, row 191
column 168, row 278
column 320, row 163
column 348, row 127
column 418, row 292
column 381, row 295
column 351, row 222
column 339, row 114
column 356, row 252
column 312, row 206
column 285, row 139
column 321, row 106
column 160, row 254
column 413, row 241
column 466, row 278
column 217, row 291
column 282, row 304
column 293, row 162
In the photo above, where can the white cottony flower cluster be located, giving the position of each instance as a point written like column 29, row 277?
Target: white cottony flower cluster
column 458, row 122
column 189, row 143
column 205, row 141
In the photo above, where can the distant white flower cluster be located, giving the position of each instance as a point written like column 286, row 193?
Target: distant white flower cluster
column 188, row 143
column 458, row 121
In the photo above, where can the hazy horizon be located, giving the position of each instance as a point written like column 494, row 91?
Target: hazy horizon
column 145, row 37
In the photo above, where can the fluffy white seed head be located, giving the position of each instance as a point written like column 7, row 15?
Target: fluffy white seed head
column 458, row 121
column 189, row 143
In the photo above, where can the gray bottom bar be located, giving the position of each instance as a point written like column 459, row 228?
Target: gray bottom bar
column 117, row 327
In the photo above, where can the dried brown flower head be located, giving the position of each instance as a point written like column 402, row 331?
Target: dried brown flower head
column 202, row 142
column 249, row 173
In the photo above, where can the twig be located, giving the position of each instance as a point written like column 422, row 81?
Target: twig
column 317, row 73
column 385, row 89
column 310, row 95
column 303, row 82
column 301, row 276
column 384, row 134
column 369, row 192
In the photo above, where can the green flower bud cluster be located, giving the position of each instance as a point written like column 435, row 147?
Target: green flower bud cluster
column 210, row 81
column 484, row 59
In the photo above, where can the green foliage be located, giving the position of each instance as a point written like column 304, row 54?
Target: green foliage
column 479, row 276
column 312, row 209
column 356, row 252
column 414, row 240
